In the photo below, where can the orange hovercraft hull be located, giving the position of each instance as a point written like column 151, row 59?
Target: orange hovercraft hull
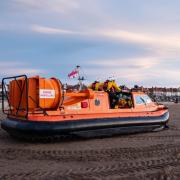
column 40, row 107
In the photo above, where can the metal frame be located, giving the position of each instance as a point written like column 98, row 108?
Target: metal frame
column 21, row 89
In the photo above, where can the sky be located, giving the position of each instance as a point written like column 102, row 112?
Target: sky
column 136, row 41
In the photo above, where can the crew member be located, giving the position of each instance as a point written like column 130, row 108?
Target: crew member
column 96, row 86
column 125, row 102
column 113, row 90
column 111, row 86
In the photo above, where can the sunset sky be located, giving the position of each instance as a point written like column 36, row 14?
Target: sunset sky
column 136, row 41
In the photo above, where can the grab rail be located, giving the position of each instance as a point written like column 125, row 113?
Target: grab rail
column 6, row 95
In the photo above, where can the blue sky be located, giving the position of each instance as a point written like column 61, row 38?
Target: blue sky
column 136, row 41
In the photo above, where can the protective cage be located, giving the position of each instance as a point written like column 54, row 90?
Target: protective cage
column 22, row 92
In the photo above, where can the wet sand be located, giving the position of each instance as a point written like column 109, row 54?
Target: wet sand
column 139, row 156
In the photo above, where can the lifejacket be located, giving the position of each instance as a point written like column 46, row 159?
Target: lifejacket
column 112, row 88
column 109, row 86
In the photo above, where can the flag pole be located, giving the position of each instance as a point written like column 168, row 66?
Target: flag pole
column 80, row 78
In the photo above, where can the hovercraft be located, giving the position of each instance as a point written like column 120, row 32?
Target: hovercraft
column 41, row 107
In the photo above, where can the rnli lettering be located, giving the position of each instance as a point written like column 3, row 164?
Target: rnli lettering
column 47, row 93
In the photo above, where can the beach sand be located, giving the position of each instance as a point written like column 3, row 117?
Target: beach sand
column 153, row 155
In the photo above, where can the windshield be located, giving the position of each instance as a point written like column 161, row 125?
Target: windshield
column 143, row 99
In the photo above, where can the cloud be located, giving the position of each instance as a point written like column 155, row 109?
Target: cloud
column 101, row 31
column 18, row 71
column 122, row 76
column 151, row 77
column 130, row 63
column 170, row 41
column 59, row 6
column 127, row 70
column 166, row 43
column 16, row 68
column 50, row 30
column 147, row 71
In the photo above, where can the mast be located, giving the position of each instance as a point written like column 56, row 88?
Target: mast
column 80, row 78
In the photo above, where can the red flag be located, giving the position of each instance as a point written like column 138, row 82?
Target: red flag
column 74, row 73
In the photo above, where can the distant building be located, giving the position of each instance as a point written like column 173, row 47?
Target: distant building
column 158, row 91
column 0, row 91
column 163, row 93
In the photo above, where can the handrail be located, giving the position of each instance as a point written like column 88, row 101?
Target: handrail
column 21, row 89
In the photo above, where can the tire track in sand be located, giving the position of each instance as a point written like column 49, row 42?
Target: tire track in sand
column 119, row 169
column 90, row 155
